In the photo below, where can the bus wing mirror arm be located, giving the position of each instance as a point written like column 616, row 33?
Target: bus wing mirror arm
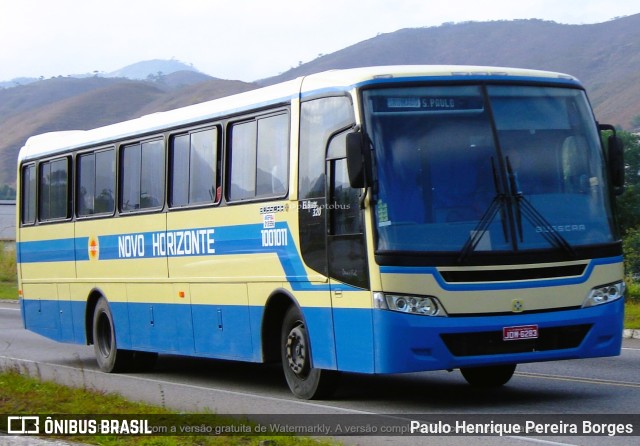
column 356, row 165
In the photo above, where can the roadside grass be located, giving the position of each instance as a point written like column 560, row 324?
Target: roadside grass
column 8, row 290
column 24, row 395
column 632, row 306
column 8, row 273
column 8, row 270
column 632, row 315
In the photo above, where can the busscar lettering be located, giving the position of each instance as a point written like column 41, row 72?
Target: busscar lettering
column 561, row 228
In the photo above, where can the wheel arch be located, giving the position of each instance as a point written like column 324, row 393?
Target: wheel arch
column 92, row 301
column 275, row 309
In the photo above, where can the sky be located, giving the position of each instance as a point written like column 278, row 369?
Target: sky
column 237, row 39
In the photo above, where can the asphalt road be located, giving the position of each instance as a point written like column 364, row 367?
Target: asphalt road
column 591, row 386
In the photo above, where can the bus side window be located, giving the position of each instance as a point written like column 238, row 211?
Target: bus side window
column 344, row 201
column 142, row 176
column 28, row 204
column 272, row 163
column 96, row 183
column 193, row 161
column 344, row 206
column 54, row 190
column 259, row 158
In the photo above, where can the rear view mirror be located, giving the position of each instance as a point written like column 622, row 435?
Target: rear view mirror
column 616, row 163
column 615, row 159
column 355, row 160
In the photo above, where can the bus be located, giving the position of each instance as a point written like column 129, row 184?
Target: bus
column 374, row 220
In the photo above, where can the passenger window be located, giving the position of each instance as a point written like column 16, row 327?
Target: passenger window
column 259, row 155
column 28, row 205
column 142, row 176
column 273, row 145
column 96, row 183
column 193, row 168
column 54, row 190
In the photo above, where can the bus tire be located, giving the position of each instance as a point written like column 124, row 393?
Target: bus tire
column 304, row 381
column 110, row 358
column 489, row 376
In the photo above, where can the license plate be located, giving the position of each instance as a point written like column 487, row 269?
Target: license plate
column 520, row 333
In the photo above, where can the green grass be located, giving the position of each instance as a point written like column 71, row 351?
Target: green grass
column 632, row 306
column 23, row 395
column 8, row 290
column 632, row 315
column 8, row 270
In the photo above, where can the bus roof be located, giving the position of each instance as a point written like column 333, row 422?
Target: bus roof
column 56, row 142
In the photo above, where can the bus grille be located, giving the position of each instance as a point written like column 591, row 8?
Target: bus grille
column 513, row 274
column 491, row 342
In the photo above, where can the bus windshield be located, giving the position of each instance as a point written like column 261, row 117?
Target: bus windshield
column 474, row 169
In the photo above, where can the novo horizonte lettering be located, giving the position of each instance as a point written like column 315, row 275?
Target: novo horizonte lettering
column 170, row 243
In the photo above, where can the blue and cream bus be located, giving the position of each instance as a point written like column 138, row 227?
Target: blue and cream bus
column 376, row 220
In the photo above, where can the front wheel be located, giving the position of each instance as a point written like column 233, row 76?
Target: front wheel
column 490, row 376
column 304, row 381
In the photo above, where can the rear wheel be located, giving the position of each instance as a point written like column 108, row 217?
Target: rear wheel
column 491, row 376
column 110, row 358
column 304, row 381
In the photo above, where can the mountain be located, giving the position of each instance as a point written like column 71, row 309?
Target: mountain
column 152, row 70
column 604, row 56
column 145, row 69
column 68, row 103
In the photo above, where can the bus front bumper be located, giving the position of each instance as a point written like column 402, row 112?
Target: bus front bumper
column 411, row 343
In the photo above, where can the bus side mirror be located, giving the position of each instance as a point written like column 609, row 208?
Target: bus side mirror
column 355, row 160
column 616, row 163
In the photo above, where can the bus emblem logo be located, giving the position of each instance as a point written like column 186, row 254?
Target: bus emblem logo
column 517, row 306
column 94, row 248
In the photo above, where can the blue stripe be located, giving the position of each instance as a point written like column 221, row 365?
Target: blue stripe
column 471, row 77
column 511, row 285
column 60, row 250
column 225, row 240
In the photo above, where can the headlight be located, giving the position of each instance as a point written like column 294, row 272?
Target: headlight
column 604, row 294
column 421, row 305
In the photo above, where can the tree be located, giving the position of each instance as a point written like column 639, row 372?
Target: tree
column 631, row 247
column 7, row 192
column 629, row 202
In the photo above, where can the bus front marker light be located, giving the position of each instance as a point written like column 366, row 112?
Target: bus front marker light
column 604, row 294
column 379, row 301
column 420, row 305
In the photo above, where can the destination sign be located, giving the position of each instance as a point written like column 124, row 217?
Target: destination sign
column 401, row 104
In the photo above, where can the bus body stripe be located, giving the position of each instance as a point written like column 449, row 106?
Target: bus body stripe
column 229, row 240
column 511, row 285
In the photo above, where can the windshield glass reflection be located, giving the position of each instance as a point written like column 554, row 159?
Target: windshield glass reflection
column 445, row 175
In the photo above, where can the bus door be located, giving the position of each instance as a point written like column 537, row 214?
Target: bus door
column 347, row 264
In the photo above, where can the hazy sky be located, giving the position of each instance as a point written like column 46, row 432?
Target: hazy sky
column 237, row 39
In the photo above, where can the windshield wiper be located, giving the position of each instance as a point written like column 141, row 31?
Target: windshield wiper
column 524, row 207
column 521, row 207
column 497, row 205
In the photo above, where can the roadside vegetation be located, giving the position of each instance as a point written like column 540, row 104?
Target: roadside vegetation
column 23, row 395
column 8, row 272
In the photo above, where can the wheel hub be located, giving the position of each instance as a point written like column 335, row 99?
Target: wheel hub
column 297, row 350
